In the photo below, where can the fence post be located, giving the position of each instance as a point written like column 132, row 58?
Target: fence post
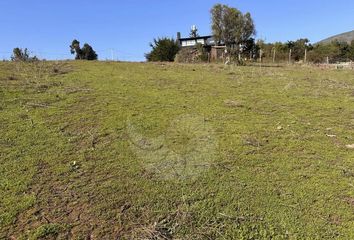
column 273, row 55
column 260, row 55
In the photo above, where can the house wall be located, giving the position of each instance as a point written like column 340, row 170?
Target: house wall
column 217, row 53
column 191, row 43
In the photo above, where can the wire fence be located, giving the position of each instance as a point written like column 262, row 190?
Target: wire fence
column 110, row 54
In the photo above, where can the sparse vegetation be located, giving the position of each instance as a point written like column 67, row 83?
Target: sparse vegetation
column 23, row 55
column 171, row 151
column 46, row 231
column 250, row 140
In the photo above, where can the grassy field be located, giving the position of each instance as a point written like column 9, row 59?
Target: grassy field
column 100, row 150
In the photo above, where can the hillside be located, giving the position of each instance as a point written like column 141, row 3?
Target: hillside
column 344, row 37
column 103, row 150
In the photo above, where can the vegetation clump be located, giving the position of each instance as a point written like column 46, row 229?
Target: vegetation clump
column 197, row 54
column 22, row 55
column 84, row 53
column 163, row 50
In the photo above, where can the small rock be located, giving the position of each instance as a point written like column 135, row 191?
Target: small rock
column 279, row 128
column 331, row 136
column 232, row 103
column 350, row 146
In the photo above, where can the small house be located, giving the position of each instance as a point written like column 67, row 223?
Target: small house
column 215, row 51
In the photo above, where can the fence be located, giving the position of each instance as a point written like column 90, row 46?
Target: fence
column 103, row 54
column 340, row 65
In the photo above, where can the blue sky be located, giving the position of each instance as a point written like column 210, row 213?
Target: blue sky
column 126, row 27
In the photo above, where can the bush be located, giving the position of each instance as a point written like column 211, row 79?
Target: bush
column 202, row 53
column 46, row 231
column 84, row 53
column 192, row 55
column 187, row 55
column 163, row 50
column 22, row 55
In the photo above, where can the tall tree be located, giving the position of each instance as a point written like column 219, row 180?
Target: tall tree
column 217, row 27
column 230, row 26
column 248, row 28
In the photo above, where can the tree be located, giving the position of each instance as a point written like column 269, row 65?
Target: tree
column 163, row 50
column 351, row 51
column 20, row 54
column 75, row 48
column 335, row 52
column 250, row 49
column 88, row 52
column 298, row 48
column 230, row 26
column 84, row 53
column 248, row 28
column 194, row 32
column 217, row 26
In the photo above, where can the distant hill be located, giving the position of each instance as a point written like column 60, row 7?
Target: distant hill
column 344, row 37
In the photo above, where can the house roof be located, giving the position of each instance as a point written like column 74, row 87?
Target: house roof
column 195, row 38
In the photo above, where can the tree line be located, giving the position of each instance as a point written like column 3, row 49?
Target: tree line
column 302, row 50
column 84, row 53
column 236, row 30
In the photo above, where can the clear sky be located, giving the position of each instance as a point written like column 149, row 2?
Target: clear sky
column 125, row 27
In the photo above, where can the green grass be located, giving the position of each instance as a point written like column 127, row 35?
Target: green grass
column 100, row 150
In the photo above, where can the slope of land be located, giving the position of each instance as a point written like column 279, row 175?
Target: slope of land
column 93, row 150
column 344, row 37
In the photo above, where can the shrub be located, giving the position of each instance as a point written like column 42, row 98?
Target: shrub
column 163, row 50
column 192, row 55
column 22, row 55
column 84, row 53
